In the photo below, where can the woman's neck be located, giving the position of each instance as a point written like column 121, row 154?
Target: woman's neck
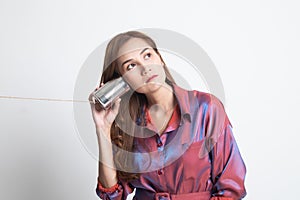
column 162, row 98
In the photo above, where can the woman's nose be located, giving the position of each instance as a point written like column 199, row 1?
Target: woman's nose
column 145, row 69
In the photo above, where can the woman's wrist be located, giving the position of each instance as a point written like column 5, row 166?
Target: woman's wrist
column 103, row 134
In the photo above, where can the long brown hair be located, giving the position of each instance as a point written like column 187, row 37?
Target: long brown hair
column 136, row 101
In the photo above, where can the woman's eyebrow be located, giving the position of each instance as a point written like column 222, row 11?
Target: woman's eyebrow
column 144, row 50
column 131, row 58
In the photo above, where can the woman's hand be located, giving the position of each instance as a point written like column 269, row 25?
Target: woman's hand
column 103, row 119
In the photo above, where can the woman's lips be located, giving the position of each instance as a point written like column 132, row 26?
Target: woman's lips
column 152, row 77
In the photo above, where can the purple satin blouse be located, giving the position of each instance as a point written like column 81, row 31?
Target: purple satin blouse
column 195, row 158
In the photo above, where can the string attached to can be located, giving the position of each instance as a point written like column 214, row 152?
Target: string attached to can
column 44, row 99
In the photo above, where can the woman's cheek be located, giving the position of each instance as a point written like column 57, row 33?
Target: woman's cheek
column 134, row 81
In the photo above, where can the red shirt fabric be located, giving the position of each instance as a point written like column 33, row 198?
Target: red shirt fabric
column 196, row 157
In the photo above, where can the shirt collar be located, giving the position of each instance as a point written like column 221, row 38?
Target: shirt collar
column 183, row 99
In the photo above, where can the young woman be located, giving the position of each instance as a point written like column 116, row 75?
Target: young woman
column 162, row 140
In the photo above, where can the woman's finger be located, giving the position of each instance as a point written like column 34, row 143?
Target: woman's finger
column 91, row 98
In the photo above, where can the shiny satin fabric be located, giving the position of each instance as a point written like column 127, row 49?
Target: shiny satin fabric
column 196, row 154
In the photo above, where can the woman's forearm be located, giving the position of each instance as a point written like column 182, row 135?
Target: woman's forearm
column 107, row 174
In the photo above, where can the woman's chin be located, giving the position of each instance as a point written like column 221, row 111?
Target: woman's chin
column 149, row 87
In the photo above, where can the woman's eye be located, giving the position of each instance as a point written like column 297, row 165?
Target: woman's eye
column 147, row 56
column 130, row 66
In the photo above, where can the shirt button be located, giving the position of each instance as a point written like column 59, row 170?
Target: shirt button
column 160, row 172
column 159, row 144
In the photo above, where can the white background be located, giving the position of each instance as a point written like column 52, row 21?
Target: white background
column 43, row 44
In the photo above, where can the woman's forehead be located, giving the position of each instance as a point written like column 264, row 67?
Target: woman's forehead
column 134, row 45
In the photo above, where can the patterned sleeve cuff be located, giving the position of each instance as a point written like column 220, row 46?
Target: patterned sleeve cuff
column 221, row 198
column 113, row 193
column 109, row 190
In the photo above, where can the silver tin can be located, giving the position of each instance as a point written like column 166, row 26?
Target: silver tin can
column 110, row 91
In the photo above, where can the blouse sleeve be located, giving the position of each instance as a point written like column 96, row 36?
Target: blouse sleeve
column 228, row 168
column 120, row 191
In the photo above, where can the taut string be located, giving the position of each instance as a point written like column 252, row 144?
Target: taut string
column 44, row 99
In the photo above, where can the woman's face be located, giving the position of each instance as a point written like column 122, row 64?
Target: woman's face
column 140, row 66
